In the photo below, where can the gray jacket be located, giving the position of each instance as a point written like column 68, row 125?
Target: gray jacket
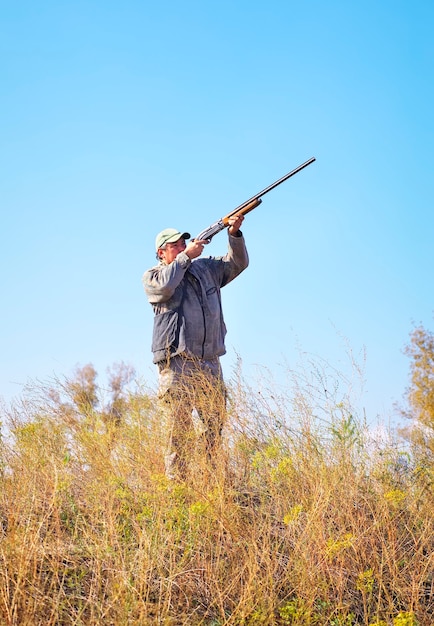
column 186, row 299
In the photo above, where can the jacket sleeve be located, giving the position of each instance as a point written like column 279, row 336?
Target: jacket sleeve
column 235, row 260
column 161, row 281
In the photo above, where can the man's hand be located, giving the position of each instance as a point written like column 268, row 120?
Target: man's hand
column 235, row 224
column 194, row 248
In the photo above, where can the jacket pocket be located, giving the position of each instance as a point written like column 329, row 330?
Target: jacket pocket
column 165, row 333
column 213, row 300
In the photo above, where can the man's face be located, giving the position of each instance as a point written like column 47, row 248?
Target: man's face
column 171, row 251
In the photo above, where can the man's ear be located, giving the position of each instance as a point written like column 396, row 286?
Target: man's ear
column 160, row 253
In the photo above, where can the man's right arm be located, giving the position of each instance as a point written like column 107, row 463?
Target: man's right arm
column 194, row 248
column 161, row 281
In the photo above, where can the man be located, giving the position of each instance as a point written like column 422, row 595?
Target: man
column 189, row 335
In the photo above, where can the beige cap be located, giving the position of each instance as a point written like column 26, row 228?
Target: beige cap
column 169, row 235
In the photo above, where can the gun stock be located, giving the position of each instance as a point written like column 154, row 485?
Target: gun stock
column 249, row 205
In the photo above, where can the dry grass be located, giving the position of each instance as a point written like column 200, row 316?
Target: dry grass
column 304, row 521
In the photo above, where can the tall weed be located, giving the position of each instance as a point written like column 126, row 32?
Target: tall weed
column 301, row 520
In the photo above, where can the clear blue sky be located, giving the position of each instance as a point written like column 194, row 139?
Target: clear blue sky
column 120, row 119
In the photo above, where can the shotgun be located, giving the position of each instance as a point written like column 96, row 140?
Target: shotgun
column 245, row 207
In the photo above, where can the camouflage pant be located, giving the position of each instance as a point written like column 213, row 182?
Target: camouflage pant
column 186, row 385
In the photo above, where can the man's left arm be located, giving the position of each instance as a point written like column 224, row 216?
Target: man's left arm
column 237, row 259
column 235, row 224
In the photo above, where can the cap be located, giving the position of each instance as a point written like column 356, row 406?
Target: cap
column 169, row 235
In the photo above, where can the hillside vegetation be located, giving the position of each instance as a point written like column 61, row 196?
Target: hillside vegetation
column 305, row 519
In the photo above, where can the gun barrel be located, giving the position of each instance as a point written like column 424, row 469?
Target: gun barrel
column 273, row 185
column 249, row 205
